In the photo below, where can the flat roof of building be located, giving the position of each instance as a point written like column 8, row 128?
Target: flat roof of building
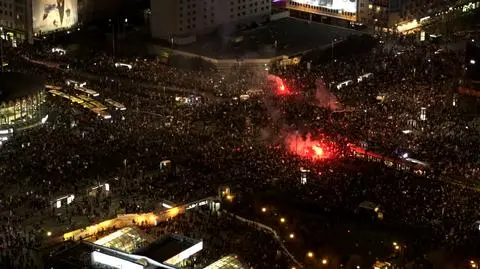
column 16, row 85
column 227, row 262
column 166, row 248
column 292, row 36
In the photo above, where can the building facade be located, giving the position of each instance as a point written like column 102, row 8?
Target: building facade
column 171, row 19
column 21, row 20
column 381, row 15
column 339, row 9
column 16, row 20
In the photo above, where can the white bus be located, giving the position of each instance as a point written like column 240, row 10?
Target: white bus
column 75, row 83
column 87, row 91
column 117, row 105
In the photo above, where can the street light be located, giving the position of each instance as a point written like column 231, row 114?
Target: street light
column 324, row 261
column 282, row 220
column 310, row 254
column 264, row 209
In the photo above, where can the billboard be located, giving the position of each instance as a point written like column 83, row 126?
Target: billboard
column 53, row 15
column 344, row 5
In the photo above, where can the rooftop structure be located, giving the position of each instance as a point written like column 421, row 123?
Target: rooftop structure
column 128, row 240
column 171, row 250
column 129, row 247
column 227, row 262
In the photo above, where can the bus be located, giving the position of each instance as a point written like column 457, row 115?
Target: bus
column 117, row 105
column 98, row 105
column 75, row 83
column 101, row 113
column 87, row 91
column 405, row 164
column 52, row 87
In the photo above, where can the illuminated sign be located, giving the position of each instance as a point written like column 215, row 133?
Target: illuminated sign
column 202, row 203
column 341, row 5
column 54, row 15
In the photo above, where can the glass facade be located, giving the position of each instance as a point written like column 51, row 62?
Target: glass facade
column 128, row 240
column 22, row 112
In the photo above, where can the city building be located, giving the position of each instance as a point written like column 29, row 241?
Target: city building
column 180, row 21
column 16, row 20
column 381, row 15
column 22, row 99
column 23, row 19
column 339, row 9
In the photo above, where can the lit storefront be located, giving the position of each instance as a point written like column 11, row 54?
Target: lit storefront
column 22, row 103
column 28, row 109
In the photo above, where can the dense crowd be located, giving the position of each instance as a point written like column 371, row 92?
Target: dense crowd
column 230, row 142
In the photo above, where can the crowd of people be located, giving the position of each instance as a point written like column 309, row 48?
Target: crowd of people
column 226, row 141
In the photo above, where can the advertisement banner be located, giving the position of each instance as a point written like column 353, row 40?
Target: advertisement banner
column 343, row 5
column 54, row 15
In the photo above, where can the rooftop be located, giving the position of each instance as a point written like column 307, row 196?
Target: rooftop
column 128, row 240
column 292, row 36
column 15, row 85
column 166, row 248
column 227, row 262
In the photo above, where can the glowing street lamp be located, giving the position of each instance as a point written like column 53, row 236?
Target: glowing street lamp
column 291, row 236
column 310, row 254
column 282, row 220
column 264, row 209
column 324, row 261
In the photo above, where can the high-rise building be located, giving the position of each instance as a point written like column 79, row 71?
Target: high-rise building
column 22, row 19
column 173, row 19
column 16, row 19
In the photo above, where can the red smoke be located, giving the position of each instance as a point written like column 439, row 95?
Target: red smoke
column 280, row 88
column 309, row 148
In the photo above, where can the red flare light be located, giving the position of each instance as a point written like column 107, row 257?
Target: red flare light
column 278, row 85
column 309, row 148
column 283, row 90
